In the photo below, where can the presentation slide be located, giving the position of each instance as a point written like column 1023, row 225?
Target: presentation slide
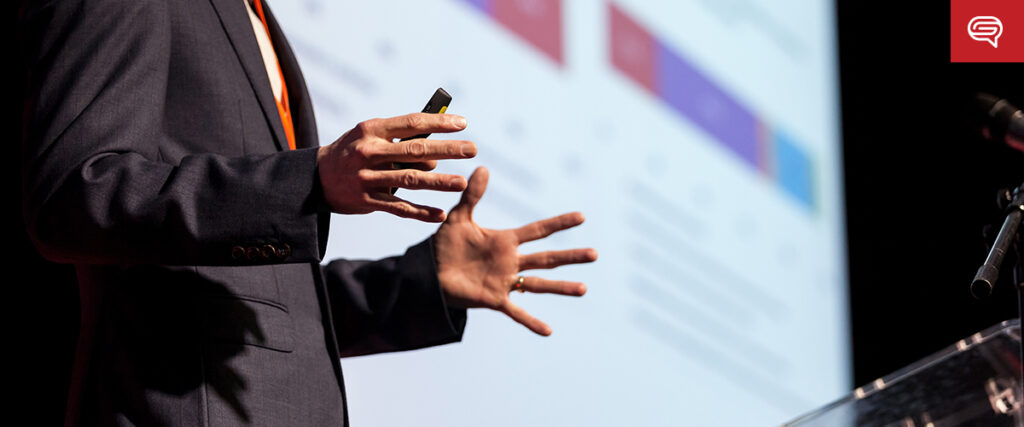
column 701, row 139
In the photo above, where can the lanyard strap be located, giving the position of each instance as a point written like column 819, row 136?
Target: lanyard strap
column 282, row 104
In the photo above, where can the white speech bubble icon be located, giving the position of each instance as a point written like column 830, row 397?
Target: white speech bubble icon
column 985, row 29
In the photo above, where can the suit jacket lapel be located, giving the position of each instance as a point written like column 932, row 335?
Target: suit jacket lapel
column 298, row 96
column 237, row 25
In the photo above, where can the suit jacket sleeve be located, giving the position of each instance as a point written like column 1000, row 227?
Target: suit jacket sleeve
column 95, row 188
column 393, row 304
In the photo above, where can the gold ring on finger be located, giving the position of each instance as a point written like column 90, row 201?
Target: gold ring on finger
column 518, row 285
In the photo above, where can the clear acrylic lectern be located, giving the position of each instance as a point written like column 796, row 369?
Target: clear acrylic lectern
column 975, row 382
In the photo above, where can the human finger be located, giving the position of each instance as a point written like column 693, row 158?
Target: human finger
column 519, row 315
column 474, row 191
column 414, row 124
column 426, row 166
column 538, row 285
column 411, row 179
column 545, row 227
column 420, row 150
column 552, row 259
column 396, row 206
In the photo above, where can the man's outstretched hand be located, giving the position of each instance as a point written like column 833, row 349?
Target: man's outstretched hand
column 478, row 267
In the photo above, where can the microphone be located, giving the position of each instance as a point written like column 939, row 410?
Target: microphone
column 986, row 277
column 1003, row 121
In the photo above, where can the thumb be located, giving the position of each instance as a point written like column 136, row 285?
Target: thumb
column 474, row 191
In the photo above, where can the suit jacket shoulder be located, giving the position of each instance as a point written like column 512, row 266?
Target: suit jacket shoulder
column 147, row 141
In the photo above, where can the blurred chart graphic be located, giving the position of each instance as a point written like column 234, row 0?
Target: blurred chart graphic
column 539, row 22
column 666, row 73
column 701, row 140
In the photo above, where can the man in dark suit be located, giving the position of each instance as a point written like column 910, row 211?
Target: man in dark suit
column 156, row 157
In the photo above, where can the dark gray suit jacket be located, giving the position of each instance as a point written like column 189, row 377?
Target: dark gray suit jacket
column 154, row 160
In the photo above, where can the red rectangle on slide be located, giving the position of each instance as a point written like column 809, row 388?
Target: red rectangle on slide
column 632, row 48
column 539, row 22
column 985, row 31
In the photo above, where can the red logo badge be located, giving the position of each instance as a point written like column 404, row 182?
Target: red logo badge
column 986, row 31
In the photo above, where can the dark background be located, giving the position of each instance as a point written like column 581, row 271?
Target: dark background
column 920, row 187
column 40, row 298
column 920, row 184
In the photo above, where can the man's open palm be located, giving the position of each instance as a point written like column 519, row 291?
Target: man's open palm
column 479, row 267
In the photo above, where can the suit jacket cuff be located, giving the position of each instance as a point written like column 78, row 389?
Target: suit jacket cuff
column 436, row 321
column 294, row 216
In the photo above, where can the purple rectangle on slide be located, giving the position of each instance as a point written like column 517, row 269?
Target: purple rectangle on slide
column 487, row 6
column 687, row 91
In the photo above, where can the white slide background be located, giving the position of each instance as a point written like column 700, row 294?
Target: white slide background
column 717, row 299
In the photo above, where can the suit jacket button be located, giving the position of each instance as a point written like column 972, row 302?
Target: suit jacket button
column 267, row 252
column 237, row 252
column 252, row 253
column 284, row 251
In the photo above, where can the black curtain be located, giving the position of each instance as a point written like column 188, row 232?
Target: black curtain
column 921, row 183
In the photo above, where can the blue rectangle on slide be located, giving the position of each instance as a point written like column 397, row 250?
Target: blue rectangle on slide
column 793, row 168
column 691, row 94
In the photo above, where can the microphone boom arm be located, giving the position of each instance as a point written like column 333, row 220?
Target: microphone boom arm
column 988, row 274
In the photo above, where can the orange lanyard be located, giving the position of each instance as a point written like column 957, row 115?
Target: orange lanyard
column 282, row 104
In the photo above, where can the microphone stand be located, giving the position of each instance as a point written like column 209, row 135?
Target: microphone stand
column 1007, row 239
